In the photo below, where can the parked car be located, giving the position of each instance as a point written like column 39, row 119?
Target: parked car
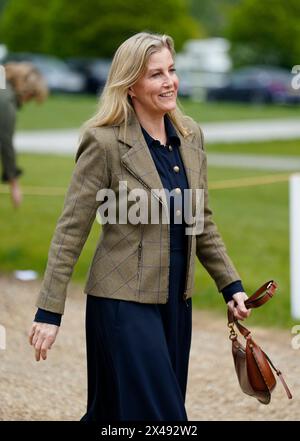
column 257, row 84
column 94, row 70
column 59, row 76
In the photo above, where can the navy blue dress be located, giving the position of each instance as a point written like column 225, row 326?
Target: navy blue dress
column 138, row 354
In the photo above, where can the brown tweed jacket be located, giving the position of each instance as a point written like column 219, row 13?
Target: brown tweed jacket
column 131, row 262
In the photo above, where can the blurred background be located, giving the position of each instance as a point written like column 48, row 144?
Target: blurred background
column 238, row 62
column 234, row 60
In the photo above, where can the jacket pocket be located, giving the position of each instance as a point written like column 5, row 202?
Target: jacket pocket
column 140, row 251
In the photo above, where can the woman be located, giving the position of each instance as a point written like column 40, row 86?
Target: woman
column 140, row 283
column 23, row 84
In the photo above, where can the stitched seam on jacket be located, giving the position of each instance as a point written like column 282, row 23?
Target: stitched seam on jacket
column 115, row 268
column 220, row 253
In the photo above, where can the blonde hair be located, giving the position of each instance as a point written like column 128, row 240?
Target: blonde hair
column 128, row 65
column 26, row 79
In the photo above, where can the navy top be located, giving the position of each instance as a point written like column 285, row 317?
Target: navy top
column 165, row 158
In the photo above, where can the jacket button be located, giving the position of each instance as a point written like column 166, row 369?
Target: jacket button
column 177, row 190
column 176, row 168
column 170, row 148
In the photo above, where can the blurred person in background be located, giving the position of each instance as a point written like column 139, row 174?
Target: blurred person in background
column 23, row 84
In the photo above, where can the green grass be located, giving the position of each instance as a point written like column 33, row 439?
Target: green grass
column 252, row 220
column 68, row 111
column 26, row 232
column 211, row 112
column 58, row 112
column 280, row 147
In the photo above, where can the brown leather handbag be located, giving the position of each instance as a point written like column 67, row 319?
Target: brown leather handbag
column 252, row 364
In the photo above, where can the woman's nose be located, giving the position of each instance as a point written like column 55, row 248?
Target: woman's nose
column 168, row 80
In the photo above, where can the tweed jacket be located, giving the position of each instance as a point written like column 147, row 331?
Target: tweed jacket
column 131, row 261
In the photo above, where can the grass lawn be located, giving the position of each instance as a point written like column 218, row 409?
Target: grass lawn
column 252, row 220
column 280, row 147
column 68, row 111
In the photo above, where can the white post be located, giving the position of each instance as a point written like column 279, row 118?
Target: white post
column 2, row 77
column 295, row 244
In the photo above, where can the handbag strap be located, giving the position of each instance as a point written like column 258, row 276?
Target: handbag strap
column 259, row 298
column 262, row 295
column 278, row 372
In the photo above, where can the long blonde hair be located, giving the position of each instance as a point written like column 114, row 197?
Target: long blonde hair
column 128, row 65
column 26, row 79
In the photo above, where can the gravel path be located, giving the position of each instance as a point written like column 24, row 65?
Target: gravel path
column 56, row 389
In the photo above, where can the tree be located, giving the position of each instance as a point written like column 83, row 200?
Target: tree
column 212, row 14
column 265, row 32
column 23, row 25
column 2, row 5
column 93, row 28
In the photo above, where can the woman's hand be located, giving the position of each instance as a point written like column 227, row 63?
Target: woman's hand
column 240, row 311
column 41, row 337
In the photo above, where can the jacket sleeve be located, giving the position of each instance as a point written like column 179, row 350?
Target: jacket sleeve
column 43, row 316
column 210, row 248
column 90, row 174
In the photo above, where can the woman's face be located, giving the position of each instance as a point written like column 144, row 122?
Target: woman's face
column 155, row 92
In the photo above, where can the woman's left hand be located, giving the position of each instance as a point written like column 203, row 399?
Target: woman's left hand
column 240, row 311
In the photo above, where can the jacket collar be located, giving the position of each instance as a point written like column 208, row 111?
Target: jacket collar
column 172, row 137
column 138, row 159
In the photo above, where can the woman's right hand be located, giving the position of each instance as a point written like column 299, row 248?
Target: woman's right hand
column 41, row 337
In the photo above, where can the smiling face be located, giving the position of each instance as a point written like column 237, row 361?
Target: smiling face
column 155, row 92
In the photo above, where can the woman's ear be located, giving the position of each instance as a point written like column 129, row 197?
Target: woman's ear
column 130, row 92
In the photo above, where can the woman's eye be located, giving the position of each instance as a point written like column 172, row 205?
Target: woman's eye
column 158, row 73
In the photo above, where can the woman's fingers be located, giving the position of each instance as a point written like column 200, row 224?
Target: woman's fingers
column 41, row 347
column 35, row 336
column 238, row 314
column 237, row 306
column 241, row 312
column 41, row 337
column 31, row 333
column 38, row 346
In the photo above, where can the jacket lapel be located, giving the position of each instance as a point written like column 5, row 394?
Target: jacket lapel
column 138, row 159
column 139, row 162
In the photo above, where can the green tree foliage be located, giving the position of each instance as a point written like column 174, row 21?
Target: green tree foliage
column 2, row 4
column 23, row 24
column 93, row 28
column 212, row 14
column 265, row 32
